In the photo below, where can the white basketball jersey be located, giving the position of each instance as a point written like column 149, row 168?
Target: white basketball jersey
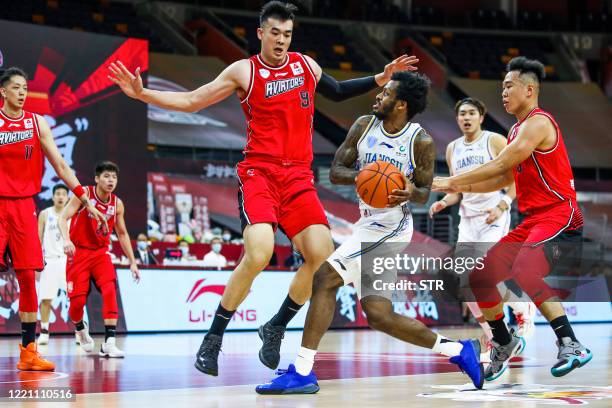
column 397, row 149
column 468, row 156
column 53, row 244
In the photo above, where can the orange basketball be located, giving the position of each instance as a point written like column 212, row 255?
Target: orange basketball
column 376, row 181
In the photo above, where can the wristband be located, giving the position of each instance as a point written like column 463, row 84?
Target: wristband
column 79, row 191
column 507, row 200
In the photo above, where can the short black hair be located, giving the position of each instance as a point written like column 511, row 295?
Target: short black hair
column 60, row 187
column 412, row 88
column 482, row 109
column 527, row 66
column 8, row 73
column 277, row 9
column 106, row 165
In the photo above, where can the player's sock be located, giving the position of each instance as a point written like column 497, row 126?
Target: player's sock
column 562, row 328
column 286, row 312
column 220, row 321
column 79, row 326
column 305, row 360
column 44, row 326
column 501, row 335
column 446, row 346
column 28, row 333
column 109, row 331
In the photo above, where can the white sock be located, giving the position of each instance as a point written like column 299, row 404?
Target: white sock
column 304, row 361
column 44, row 325
column 447, row 347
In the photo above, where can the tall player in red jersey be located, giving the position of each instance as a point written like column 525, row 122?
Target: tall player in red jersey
column 276, row 89
column 537, row 160
column 25, row 140
column 87, row 249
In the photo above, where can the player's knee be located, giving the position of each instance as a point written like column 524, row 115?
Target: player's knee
column 28, row 301
column 256, row 260
column 315, row 255
column 378, row 314
column 77, row 304
column 326, row 278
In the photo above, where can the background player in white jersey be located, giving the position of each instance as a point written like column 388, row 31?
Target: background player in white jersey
column 387, row 135
column 485, row 217
column 53, row 277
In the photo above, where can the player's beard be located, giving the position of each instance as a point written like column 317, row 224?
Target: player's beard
column 383, row 112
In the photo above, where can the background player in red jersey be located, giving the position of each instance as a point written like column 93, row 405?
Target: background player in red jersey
column 87, row 248
column 276, row 89
column 25, row 139
column 537, row 160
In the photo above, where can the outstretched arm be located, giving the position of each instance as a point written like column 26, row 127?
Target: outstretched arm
column 343, row 166
column 342, row 90
column 418, row 188
column 229, row 81
column 532, row 134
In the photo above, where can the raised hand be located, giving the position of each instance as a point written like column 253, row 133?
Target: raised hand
column 130, row 84
column 401, row 63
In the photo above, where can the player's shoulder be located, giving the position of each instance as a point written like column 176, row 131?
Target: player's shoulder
column 422, row 136
column 494, row 136
column 538, row 122
column 363, row 123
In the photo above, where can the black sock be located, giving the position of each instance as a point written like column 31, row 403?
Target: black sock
column 79, row 326
column 221, row 320
column 286, row 312
column 109, row 331
column 501, row 335
column 562, row 328
column 28, row 333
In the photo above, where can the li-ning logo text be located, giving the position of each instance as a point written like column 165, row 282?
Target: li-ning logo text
column 274, row 88
column 15, row 137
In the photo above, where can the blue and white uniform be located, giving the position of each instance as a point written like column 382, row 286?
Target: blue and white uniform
column 378, row 225
column 473, row 228
column 53, row 277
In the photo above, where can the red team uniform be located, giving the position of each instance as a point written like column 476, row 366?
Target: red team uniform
column 21, row 171
column 91, row 258
column 546, row 196
column 276, row 181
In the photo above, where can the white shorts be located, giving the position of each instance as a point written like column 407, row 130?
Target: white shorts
column 52, row 278
column 475, row 229
column 389, row 226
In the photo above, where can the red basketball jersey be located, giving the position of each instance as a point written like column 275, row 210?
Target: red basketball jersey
column 21, row 156
column 279, row 109
column 84, row 230
column 544, row 178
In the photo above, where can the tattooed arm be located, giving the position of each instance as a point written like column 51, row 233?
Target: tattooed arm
column 418, row 188
column 343, row 167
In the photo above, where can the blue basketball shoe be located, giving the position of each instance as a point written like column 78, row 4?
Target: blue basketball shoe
column 290, row 381
column 469, row 361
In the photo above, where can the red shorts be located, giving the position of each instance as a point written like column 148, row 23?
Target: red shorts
column 522, row 254
column 281, row 195
column 19, row 234
column 87, row 264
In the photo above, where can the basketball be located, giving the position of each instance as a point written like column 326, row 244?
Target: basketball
column 376, row 181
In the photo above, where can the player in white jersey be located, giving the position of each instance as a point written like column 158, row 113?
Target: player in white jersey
column 53, row 277
column 387, row 135
column 485, row 217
